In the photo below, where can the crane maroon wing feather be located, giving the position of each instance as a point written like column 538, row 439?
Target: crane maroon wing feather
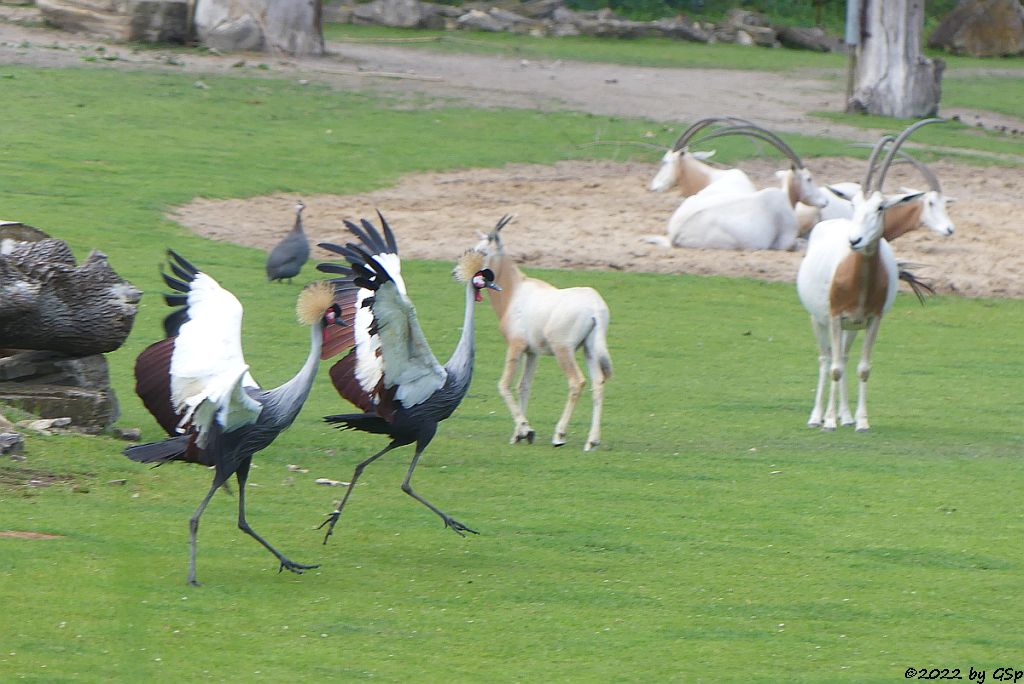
column 343, row 377
column 153, row 386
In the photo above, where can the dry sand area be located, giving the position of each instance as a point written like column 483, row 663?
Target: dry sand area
column 592, row 215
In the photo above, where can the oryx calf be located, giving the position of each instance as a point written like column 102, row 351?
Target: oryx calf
column 537, row 318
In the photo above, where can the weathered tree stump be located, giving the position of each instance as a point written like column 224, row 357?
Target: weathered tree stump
column 49, row 302
column 893, row 77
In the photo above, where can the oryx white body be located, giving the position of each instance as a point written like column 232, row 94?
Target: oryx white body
column 536, row 319
column 847, row 282
column 760, row 219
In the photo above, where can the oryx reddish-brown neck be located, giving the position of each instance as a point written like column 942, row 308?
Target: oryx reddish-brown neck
column 791, row 185
column 902, row 218
column 508, row 277
column 694, row 176
column 859, row 286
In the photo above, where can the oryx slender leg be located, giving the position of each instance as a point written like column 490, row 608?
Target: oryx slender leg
column 864, row 371
column 597, row 396
column 836, row 371
column 845, row 416
column 821, row 334
column 567, row 361
column 526, row 381
column 516, row 405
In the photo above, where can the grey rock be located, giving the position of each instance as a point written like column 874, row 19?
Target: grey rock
column 394, row 13
column 12, row 444
column 164, row 21
column 982, row 28
column 240, row 34
column 60, row 388
column 482, row 21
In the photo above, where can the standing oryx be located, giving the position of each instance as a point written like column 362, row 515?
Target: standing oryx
column 847, row 282
column 537, row 318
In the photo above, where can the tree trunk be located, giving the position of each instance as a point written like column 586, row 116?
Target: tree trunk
column 289, row 26
column 893, row 78
column 49, row 302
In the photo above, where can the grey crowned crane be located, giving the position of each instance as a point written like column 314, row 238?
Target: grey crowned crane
column 390, row 373
column 289, row 255
column 197, row 385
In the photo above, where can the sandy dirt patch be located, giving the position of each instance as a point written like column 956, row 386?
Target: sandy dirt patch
column 20, row 534
column 592, row 215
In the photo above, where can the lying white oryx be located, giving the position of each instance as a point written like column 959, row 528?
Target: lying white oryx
column 537, row 318
column 928, row 210
column 847, row 281
column 685, row 170
column 716, row 218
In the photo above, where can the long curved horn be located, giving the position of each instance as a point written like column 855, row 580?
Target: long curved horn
column 761, row 134
column 502, row 222
column 898, row 142
column 876, row 150
column 684, row 138
column 928, row 175
column 904, row 158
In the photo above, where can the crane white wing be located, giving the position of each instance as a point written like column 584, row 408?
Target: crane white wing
column 208, row 371
column 407, row 360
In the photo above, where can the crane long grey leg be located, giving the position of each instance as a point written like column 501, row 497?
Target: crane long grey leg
column 243, row 474
column 333, row 517
column 193, row 527
column 449, row 521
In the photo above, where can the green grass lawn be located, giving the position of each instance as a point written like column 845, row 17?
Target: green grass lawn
column 712, row 537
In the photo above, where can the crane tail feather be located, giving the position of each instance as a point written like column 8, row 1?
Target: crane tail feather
column 364, row 422
column 173, row 449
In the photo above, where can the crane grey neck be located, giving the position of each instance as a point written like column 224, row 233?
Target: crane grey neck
column 285, row 401
column 461, row 362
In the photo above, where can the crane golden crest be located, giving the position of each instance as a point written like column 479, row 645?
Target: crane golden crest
column 313, row 301
column 470, row 263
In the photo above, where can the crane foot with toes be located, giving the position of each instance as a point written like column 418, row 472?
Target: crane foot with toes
column 332, row 519
column 297, row 568
column 457, row 527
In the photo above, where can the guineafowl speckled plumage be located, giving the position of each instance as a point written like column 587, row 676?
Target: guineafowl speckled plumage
column 291, row 253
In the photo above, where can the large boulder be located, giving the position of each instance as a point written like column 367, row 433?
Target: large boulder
column 54, row 385
column 394, row 13
column 982, row 28
column 292, row 27
column 154, row 21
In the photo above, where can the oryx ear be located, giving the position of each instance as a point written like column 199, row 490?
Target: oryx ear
column 899, row 199
column 703, row 154
column 780, row 174
column 482, row 235
column 839, row 193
